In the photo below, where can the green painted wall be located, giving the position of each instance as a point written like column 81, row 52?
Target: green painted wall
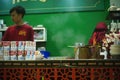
column 64, row 29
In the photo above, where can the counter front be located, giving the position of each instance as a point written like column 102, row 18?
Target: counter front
column 85, row 69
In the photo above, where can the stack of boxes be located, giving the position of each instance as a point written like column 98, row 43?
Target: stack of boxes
column 17, row 50
column 21, row 50
column 6, row 50
column 30, row 48
column 13, row 50
column 1, row 51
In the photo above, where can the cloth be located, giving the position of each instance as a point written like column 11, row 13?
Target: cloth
column 19, row 33
column 98, row 34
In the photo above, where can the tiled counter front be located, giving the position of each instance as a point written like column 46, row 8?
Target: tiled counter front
column 60, row 70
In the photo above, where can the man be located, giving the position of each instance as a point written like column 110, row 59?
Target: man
column 19, row 31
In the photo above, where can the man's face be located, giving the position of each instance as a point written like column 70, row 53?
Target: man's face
column 16, row 17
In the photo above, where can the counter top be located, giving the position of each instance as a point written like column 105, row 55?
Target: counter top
column 61, row 63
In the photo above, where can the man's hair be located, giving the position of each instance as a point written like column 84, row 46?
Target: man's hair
column 18, row 9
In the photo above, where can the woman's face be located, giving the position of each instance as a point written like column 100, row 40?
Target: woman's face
column 16, row 17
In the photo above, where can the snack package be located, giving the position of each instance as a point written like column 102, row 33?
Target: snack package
column 1, row 51
column 30, row 48
column 33, row 49
column 13, row 50
column 21, row 50
column 6, row 50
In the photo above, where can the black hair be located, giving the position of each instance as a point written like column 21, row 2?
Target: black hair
column 18, row 9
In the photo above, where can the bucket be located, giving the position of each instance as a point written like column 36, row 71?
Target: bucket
column 88, row 52
column 84, row 52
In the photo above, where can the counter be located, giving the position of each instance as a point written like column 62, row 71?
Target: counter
column 85, row 69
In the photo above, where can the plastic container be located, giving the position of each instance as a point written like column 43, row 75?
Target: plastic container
column 45, row 53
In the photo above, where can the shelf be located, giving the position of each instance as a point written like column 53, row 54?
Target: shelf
column 2, row 30
column 40, row 34
column 40, row 40
column 113, row 15
column 39, row 28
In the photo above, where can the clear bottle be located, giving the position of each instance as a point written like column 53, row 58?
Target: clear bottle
column 77, row 50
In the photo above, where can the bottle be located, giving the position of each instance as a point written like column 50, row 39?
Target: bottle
column 77, row 50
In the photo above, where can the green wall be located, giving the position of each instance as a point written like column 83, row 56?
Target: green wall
column 64, row 29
